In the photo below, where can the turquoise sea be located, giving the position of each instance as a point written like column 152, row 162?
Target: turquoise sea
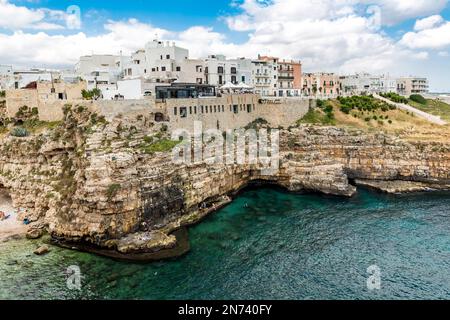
column 267, row 245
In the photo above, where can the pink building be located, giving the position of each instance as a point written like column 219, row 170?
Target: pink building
column 321, row 84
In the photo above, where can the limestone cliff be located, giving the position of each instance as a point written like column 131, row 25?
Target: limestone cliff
column 112, row 185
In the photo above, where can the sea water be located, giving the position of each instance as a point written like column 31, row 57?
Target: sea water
column 267, row 244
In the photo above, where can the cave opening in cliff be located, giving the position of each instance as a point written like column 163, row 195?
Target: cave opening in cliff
column 262, row 184
column 6, row 205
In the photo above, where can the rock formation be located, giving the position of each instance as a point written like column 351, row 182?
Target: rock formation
column 111, row 187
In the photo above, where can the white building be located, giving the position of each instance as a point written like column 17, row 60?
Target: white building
column 101, row 71
column 6, row 77
column 130, row 89
column 412, row 85
column 265, row 77
column 366, row 83
column 219, row 70
column 163, row 62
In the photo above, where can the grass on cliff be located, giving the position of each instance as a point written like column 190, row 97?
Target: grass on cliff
column 434, row 107
column 389, row 120
column 164, row 145
column 323, row 114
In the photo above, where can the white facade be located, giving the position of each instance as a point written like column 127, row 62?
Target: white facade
column 6, row 77
column 131, row 89
column 24, row 78
column 163, row 62
column 265, row 77
column 219, row 70
column 412, row 85
column 101, row 71
column 367, row 83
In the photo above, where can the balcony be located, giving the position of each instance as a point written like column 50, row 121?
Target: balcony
column 291, row 78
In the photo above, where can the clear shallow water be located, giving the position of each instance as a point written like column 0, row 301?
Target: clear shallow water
column 283, row 246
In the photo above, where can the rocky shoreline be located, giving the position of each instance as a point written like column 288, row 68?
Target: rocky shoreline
column 111, row 188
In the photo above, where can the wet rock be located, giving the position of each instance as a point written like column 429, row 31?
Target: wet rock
column 35, row 233
column 42, row 250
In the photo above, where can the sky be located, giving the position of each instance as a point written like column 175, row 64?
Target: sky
column 399, row 37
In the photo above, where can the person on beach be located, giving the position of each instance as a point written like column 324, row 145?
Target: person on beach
column 2, row 216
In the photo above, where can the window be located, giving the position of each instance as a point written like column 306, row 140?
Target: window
column 190, row 110
column 223, row 108
column 195, row 109
column 61, row 96
column 243, row 79
column 201, row 107
column 168, row 56
column 175, row 111
column 221, row 80
column 210, row 109
column 145, row 70
column 178, row 69
column 249, row 108
column 183, row 112
column 233, row 70
column 236, row 108
column 215, row 109
column 206, row 109
column 220, row 70
column 161, row 57
column 233, row 79
column 163, row 68
column 153, row 69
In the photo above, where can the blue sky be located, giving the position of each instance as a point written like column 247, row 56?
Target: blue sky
column 401, row 37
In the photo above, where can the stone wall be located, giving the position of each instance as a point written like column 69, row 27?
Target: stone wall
column 233, row 112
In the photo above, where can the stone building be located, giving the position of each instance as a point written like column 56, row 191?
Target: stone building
column 48, row 97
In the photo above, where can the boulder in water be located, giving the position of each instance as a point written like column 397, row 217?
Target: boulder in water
column 42, row 250
column 35, row 233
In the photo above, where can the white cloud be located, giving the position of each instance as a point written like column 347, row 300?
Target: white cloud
column 395, row 11
column 338, row 35
column 435, row 38
column 428, row 23
column 14, row 17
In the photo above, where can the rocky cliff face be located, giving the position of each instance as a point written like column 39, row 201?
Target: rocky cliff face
column 112, row 185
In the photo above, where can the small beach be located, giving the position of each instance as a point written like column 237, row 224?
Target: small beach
column 10, row 227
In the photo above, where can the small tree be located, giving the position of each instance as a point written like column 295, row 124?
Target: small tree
column 93, row 94
column 418, row 98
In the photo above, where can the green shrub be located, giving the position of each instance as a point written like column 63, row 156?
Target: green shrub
column 93, row 94
column 19, row 132
column 163, row 145
column 2, row 94
column 395, row 97
column 418, row 98
column 113, row 190
column 362, row 104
